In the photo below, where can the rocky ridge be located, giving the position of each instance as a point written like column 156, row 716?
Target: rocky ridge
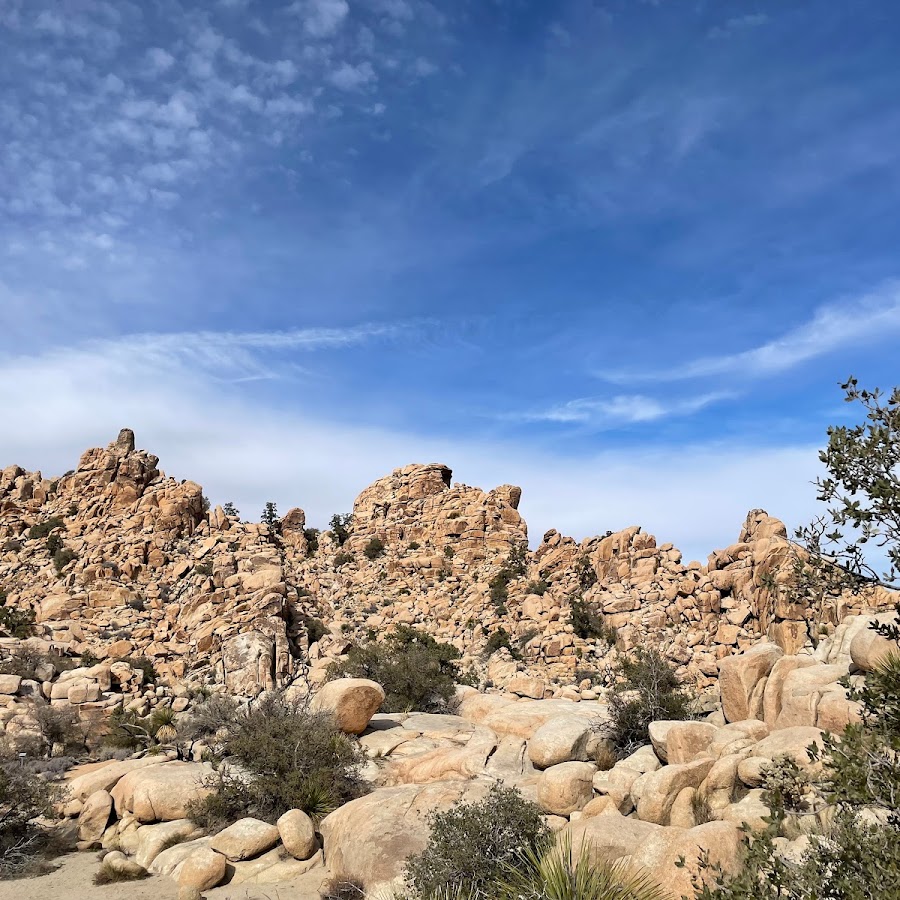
column 148, row 570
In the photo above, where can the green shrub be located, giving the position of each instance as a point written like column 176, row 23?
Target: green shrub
column 145, row 666
column 499, row 639
column 289, row 758
column 563, row 872
column 471, row 845
column 24, row 797
column 17, row 623
column 449, row 552
column 43, row 529
column 62, row 557
column 339, row 525
column 646, row 690
column 54, row 542
column 539, row 587
column 315, row 629
column 312, row 540
column 415, row 670
column 205, row 569
column 374, row 548
column 414, row 545
column 587, row 623
column 341, row 559
column 584, row 570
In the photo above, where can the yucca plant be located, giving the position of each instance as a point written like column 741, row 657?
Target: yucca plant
column 559, row 873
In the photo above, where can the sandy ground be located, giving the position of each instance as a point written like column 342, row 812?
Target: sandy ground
column 72, row 881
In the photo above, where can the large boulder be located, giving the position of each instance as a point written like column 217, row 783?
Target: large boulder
column 245, row 839
column 565, row 787
column 298, row 834
column 94, row 816
column 680, row 742
column 609, row 837
column 154, row 839
column 161, row 793
column 562, row 739
column 659, row 789
column 659, row 854
column 104, row 776
column 352, row 701
column 742, row 681
column 203, row 869
column 369, row 839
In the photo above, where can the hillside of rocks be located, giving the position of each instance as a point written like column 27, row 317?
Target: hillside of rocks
column 116, row 560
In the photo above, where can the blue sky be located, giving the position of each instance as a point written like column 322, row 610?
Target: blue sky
column 618, row 252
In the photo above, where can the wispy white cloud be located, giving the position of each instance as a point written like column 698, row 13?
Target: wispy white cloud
column 849, row 322
column 623, row 409
column 737, row 24
column 321, row 18
column 350, row 78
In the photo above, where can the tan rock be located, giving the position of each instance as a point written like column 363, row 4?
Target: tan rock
column 659, row 789
column 203, row 869
column 561, row 739
column 565, row 787
column 680, row 742
column 610, row 837
column 245, row 839
column 161, row 793
column 352, row 701
column 154, row 839
column 739, row 680
column 94, row 816
column 298, row 834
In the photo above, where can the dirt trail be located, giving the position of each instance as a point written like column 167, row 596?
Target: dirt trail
column 72, row 881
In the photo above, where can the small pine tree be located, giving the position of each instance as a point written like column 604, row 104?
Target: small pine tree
column 340, row 527
column 270, row 515
column 232, row 511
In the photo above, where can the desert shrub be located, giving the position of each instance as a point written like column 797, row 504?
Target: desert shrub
column 315, row 629
column 145, row 666
column 341, row 559
column 106, row 874
column 312, row 540
column 43, row 529
column 449, row 552
column 646, row 689
column 339, row 526
column 516, row 566
column 415, row 670
column 562, row 872
column 27, row 662
column 499, row 639
column 587, row 623
column 126, row 730
column 374, row 548
column 204, row 568
column 340, row 888
column 17, row 623
column 289, row 758
column 605, row 756
column 24, row 797
column 539, row 587
column 584, row 570
column 471, row 844
column 54, row 542
column 59, row 726
column 62, row 557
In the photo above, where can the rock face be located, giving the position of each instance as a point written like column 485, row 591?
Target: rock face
column 150, row 571
column 245, row 839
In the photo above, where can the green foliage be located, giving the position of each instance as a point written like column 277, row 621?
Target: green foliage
column 415, row 670
column 270, row 516
column 62, row 557
column 501, row 638
column 587, row 577
column 471, row 845
column 24, row 797
column 145, row 665
column 414, row 545
column 374, row 548
column 203, row 568
column 315, row 629
column 449, row 552
column 289, row 758
column 339, row 525
column 43, row 529
column 587, row 623
column 341, row 559
column 17, row 623
column 516, row 566
column 561, row 872
column 539, row 587
column 312, row 540
column 54, row 542
column 646, row 689
column 231, row 510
